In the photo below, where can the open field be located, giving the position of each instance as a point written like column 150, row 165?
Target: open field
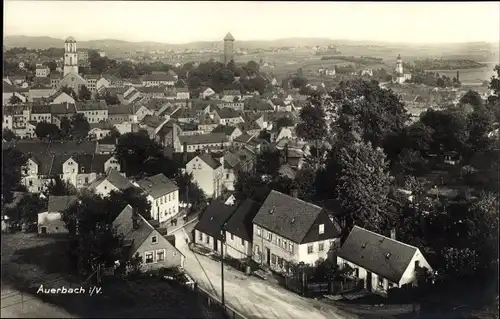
column 29, row 260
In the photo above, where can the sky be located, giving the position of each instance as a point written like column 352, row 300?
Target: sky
column 189, row 21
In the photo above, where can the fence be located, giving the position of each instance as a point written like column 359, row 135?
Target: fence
column 214, row 302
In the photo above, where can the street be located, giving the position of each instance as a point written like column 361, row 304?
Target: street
column 250, row 296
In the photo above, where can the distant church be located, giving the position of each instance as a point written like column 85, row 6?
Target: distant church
column 71, row 78
column 399, row 75
column 228, row 48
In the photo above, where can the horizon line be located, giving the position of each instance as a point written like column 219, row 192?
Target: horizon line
column 257, row 40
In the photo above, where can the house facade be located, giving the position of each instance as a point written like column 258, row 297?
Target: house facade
column 163, row 195
column 208, row 173
column 50, row 222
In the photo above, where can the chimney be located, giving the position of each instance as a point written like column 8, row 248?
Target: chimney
column 285, row 149
column 135, row 219
column 393, row 233
column 185, row 157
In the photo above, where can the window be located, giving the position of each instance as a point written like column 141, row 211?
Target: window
column 200, row 236
column 321, row 247
column 257, row 230
column 154, row 240
column 309, row 249
column 380, row 281
column 161, row 200
column 279, row 241
column 321, row 229
column 227, row 176
column 160, row 255
column 199, row 166
column 31, row 183
column 273, row 259
column 86, row 180
column 284, row 244
column 207, row 239
column 173, row 196
column 148, row 257
column 269, row 236
column 194, row 166
column 291, row 248
column 242, row 242
column 232, row 237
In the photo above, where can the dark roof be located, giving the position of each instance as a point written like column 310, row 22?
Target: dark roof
column 60, row 203
column 257, row 104
column 213, row 218
column 240, row 223
column 62, row 109
column 157, row 185
column 158, row 77
column 287, row 216
column 373, row 256
column 227, row 113
column 226, row 129
column 118, row 180
column 91, row 105
column 153, row 121
column 40, row 109
column 184, row 113
column 243, row 138
column 209, row 160
column 211, row 138
column 120, row 109
column 124, row 226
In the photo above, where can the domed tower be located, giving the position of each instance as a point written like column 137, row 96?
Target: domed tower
column 399, row 65
column 70, row 56
column 228, row 48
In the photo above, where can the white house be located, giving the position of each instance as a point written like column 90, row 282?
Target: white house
column 289, row 230
column 382, row 262
column 208, row 173
column 50, row 222
column 208, row 93
column 239, row 231
column 112, row 181
column 163, row 195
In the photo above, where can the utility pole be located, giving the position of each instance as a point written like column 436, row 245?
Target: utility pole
column 223, row 240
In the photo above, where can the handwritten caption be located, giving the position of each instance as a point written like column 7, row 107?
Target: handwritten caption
column 91, row 291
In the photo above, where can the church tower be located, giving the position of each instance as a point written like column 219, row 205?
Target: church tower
column 399, row 65
column 228, row 48
column 70, row 56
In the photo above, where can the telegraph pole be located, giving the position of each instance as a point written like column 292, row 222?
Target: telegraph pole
column 223, row 240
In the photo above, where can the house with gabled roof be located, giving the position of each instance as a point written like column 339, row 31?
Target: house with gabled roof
column 163, row 194
column 112, row 181
column 289, row 230
column 94, row 111
column 227, row 116
column 208, row 232
column 50, row 222
column 208, row 173
column 39, row 90
column 60, row 97
column 157, row 79
column 143, row 240
column 239, row 230
column 382, row 262
column 231, row 132
column 191, row 143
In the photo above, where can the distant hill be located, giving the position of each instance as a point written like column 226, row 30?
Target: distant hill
column 47, row 42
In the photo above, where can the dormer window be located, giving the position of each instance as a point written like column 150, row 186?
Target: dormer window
column 364, row 245
column 321, row 229
column 82, row 169
column 387, row 255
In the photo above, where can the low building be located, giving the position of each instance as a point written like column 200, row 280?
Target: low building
column 94, row 112
column 112, row 181
column 143, row 240
column 208, row 232
column 50, row 222
column 239, row 230
column 382, row 262
column 212, row 141
column 208, row 173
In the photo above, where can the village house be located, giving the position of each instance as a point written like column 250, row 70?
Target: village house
column 99, row 130
column 82, row 169
column 381, row 262
column 130, row 95
column 163, row 195
column 210, row 142
column 184, row 115
column 208, row 173
column 289, row 230
column 208, row 231
column 249, row 127
column 94, row 112
column 39, row 91
column 238, row 230
column 231, row 95
column 231, row 132
column 207, row 123
column 59, row 111
column 143, row 240
column 158, row 79
column 153, row 124
column 120, row 113
column 50, row 222
column 41, row 113
column 55, row 79
column 92, row 81
column 227, row 116
column 207, row 93
column 10, row 90
column 237, row 106
column 112, row 181
column 60, row 97
column 41, row 71
column 182, row 94
column 156, row 92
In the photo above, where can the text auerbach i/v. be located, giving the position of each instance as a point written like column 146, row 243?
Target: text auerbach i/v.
column 63, row 290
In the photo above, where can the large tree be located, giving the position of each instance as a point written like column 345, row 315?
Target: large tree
column 47, row 130
column 59, row 187
column 84, row 94
column 80, row 127
column 8, row 135
column 12, row 163
column 362, row 187
column 449, row 130
column 471, row 97
column 190, row 193
column 377, row 111
column 269, row 162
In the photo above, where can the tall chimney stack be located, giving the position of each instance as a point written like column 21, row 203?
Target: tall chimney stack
column 458, row 75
